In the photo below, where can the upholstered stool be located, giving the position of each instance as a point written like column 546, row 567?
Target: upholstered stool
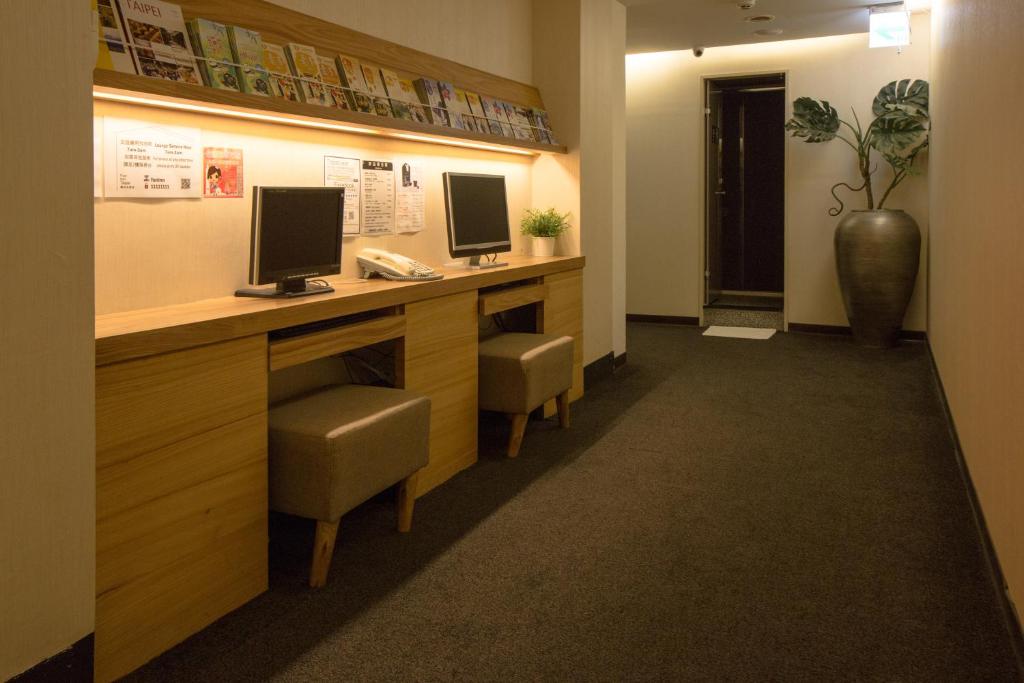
column 333, row 449
column 519, row 372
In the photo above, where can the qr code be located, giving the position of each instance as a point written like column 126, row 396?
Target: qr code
column 186, row 183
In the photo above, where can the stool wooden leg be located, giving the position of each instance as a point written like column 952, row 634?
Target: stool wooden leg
column 406, row 500
column 323, row 551
column 563, row 409
column 515, row 439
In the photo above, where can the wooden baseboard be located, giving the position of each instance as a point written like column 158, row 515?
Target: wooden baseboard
column 662, row 319
column 1011, row 617
column 619, row 361
column 73, row 664
column 844, row 330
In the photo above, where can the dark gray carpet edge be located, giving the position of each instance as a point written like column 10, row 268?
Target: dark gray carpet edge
column 721, row 509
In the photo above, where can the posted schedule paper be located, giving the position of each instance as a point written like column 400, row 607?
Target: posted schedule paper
column 152, row 162
column 378, row 202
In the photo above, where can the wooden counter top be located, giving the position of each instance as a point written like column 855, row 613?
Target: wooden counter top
column 145, row 332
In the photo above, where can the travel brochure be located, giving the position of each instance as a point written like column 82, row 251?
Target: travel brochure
column 152, row 38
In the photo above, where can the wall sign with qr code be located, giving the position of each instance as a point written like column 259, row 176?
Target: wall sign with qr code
column 151, row 162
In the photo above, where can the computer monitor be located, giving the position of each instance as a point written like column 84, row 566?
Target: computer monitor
column 296, row 234
column 477, row 211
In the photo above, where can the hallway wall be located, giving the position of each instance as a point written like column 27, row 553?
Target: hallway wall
column 664, row 130
column 977, row 251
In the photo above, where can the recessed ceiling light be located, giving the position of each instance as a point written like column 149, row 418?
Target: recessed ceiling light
column 768, row 31
column 761, row 18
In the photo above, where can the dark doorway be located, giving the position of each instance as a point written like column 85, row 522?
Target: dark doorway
column 745, row 192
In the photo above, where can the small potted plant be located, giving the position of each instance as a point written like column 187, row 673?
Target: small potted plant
column 543, row 228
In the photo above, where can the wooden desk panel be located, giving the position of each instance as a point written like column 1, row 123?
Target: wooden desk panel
column 134, row 334
column 562, row 313
column 181, row 496
column 440, row 360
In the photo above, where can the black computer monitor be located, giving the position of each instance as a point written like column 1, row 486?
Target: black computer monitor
column 477, row 211
column 296, row 234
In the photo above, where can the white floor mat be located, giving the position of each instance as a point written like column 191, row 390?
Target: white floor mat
column 739, row 332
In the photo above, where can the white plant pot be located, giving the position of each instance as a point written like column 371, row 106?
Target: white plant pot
column 541, row 246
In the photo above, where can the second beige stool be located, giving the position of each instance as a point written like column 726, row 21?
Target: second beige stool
column 519, row 372
column 333, row 449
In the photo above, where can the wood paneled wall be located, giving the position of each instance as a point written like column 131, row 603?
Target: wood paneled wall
column 977, row 253
column 46, row 339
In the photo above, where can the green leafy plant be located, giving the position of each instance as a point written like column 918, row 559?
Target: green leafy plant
column 547, row 223
column 898, row 133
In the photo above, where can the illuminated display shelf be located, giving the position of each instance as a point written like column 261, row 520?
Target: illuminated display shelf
column 160, row 93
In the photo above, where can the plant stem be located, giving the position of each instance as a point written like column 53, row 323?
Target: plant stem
column 896, row 180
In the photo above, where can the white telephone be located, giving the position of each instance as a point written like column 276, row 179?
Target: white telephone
column 392, row 266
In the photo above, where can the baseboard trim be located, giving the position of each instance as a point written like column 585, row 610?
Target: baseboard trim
column 598, row 370
column 73, row 664
column 1010, row 616
column 662, row 319
column 619, row 361
column 844, row 330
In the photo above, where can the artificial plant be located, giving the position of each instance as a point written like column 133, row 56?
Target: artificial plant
column 547, row 223
column 899, row 133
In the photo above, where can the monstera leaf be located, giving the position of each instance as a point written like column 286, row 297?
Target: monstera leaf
column 899, row 136
column 907, row 96
column 818, row 122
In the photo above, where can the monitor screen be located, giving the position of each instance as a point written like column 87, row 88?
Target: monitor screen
column 296, row 232
column 477, row 211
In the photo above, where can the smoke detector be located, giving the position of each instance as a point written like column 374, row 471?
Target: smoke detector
column 746, row 4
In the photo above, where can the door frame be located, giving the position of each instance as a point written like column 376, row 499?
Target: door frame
column 702, row 210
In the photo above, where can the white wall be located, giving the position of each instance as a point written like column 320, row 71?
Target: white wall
column 579, row 48
column 493, row 36
column 47, row 437
column 977, row 252
column 664, row 119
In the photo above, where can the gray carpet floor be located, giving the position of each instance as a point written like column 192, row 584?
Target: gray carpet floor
column 721, row 509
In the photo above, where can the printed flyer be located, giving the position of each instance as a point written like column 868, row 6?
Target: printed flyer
column 410, row 208
column 223, row 169
column 150, row 162
column 344, row 172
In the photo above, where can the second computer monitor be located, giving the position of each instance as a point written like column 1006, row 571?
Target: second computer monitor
column 477, row 210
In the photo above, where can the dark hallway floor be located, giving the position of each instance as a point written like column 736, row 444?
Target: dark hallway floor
column 722, row 509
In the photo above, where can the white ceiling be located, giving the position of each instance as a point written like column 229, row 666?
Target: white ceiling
column 655, row 25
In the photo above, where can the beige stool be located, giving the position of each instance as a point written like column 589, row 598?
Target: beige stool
column 333, row 449
column 519, row 372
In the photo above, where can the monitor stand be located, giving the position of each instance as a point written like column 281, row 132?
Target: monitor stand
column 286, row 289
column 474, row 263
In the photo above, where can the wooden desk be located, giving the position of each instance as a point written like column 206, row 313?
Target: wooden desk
column 181, row 431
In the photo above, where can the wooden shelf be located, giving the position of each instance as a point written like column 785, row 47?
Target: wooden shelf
column 280, row 25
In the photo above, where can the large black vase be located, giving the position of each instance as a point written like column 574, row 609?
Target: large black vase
column 877, row 254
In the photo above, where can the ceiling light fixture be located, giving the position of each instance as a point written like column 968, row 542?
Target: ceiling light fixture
column 761, row 18
column 769, row 31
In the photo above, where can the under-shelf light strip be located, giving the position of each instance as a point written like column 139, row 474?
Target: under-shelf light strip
column 323, row 125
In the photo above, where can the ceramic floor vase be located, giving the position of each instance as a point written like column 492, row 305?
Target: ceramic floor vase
column 877, row 256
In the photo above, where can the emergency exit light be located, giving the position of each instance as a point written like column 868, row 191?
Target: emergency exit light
column 889, row 26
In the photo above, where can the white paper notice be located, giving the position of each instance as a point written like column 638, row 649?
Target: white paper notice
column 410, row 209
column 97, row 157
column 344, row 172
column 378, row 201
column 153, row 162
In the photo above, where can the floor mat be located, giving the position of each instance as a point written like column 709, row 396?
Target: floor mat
column 739, row 332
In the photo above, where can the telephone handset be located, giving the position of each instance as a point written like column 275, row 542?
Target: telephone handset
column 393, row 266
